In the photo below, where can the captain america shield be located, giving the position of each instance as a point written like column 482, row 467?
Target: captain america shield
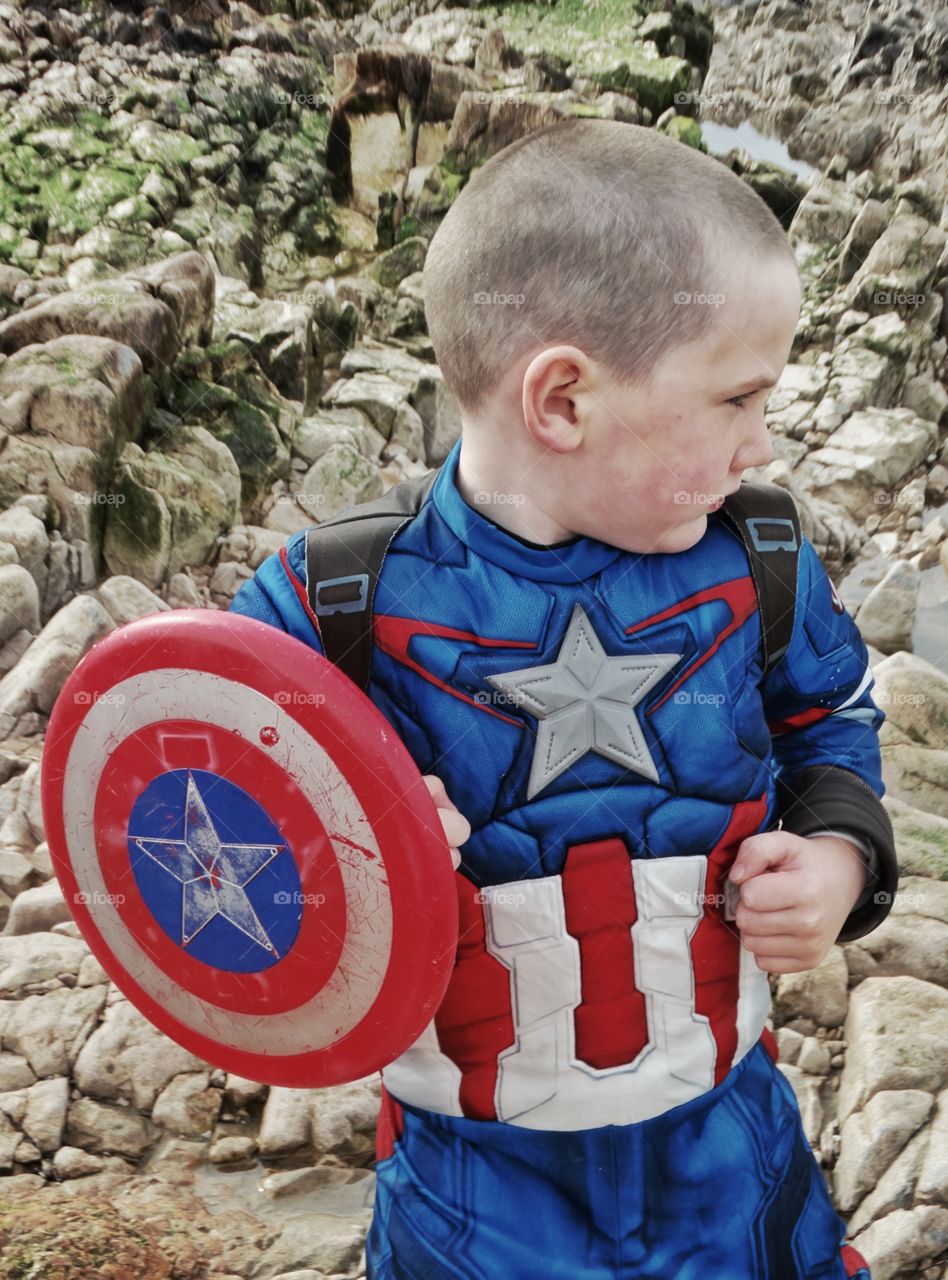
column 248, row 848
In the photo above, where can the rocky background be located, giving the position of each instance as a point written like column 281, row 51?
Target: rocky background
column 213, row 219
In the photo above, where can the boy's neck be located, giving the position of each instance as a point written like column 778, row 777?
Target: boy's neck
column 485, row 485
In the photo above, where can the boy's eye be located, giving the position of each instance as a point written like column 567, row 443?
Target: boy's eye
column 739, row 400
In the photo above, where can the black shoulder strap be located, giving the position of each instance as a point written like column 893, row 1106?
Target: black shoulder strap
column 344, row 557
column 765, row 518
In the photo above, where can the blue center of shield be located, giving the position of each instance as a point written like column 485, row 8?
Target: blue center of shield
column 214, row 871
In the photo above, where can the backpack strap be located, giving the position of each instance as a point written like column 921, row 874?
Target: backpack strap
column 344, row 557
column 765, row 518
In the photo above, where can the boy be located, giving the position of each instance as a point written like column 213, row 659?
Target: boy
column 566, row 637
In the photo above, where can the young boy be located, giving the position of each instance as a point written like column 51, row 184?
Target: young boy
column 567, row 639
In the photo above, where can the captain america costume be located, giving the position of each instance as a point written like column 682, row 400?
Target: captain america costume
column 601, row 1061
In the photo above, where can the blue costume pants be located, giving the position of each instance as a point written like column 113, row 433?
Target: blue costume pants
column 723, row 1187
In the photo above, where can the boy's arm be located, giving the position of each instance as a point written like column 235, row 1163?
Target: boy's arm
column 276, row 594
column 825, row 740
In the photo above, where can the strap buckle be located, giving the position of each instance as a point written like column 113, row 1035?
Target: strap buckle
column 360, row 581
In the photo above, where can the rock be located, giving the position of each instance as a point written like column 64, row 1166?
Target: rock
column 912, row 940
column 932, row 1184
column 899, row 267
column 19, row 602
column 872, row 1138
column 807, row 1093
column 15, row 1072
column 103, row 1129
column 82, row 399
column 873, row 450
column 183, row 592
column 127, row 1057
column 914, row 696
column 49, row 1030
column 893, row 1030
column 319, row 1241
column 36, row 910
column 250, row 545
column 232, row 1148
column 73, row 1162
column 285, row 1125
column 45, row 1114
column 895, row 1189
column 186, row 1106
column 899, row 1241
column 814, row 1057
column 116, row 309
column 37, row 958
column 185, row 284
column 344, row 1118
column 26, row 533
column 126, row 599
column 340, row 478
column 818, row 993
column 175, row 503
column 35, row 682
column 281, row 334
column 886, row 617
column 405, row 258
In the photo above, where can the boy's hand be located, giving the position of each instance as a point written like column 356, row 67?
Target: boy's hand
column 795, row 895
column 457, row 829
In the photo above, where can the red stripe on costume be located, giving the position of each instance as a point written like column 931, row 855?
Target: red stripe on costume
column 300, row 591
column 715, row 943
column 740, row 597
column 798, row 721
column 391, row 1124
column 474, row 1021
column 394, row 635
column 599, row 904
column 853, row 1261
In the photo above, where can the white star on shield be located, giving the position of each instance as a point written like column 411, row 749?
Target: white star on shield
column 585, row 701
column 214, row 874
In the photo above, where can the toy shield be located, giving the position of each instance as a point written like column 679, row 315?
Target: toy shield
column 248, row 848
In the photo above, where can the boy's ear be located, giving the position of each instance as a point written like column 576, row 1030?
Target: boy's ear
column 556, row 396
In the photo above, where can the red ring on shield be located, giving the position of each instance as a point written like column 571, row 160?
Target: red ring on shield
column 317, row 948
column 358, row 986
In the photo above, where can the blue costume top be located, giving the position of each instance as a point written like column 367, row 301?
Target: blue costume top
column 600, row 718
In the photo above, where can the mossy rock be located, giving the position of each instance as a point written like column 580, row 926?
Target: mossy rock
column 685, row 129
column 75, row 1241
column 404, row 259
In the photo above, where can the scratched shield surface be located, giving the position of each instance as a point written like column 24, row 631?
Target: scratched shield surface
column 248, row 848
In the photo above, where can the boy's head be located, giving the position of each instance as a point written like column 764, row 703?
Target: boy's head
column 596, row 297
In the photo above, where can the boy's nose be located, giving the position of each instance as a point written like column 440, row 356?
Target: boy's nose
column 759, row 450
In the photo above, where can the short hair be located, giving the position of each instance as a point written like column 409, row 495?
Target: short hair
column 583, row 232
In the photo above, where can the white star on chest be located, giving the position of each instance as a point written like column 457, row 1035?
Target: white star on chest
column 585, row 701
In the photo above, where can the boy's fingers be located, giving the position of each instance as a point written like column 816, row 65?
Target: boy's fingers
column 457, row 829
column 755, row 855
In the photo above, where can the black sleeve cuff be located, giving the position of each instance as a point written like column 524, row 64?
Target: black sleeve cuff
column 826, row 796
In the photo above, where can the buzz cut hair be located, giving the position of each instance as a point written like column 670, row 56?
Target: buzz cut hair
column 592, row 233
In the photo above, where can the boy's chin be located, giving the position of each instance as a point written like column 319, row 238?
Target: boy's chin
column 683, row 536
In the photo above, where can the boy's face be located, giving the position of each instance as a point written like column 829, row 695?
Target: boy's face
column 655, row 460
